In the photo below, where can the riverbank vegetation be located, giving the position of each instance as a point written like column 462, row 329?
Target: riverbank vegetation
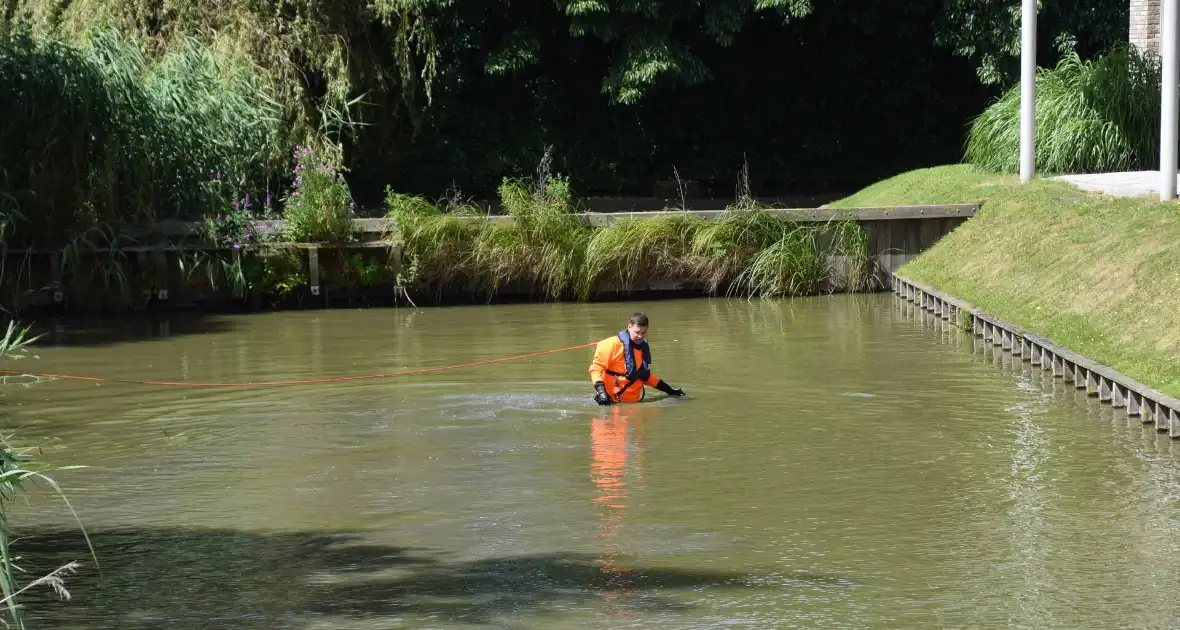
column 747, row 251
column 1096, row 274
column 17, row 467
column 98, row 136
column 127, row 112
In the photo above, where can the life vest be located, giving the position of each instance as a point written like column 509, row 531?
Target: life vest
column 634, row 374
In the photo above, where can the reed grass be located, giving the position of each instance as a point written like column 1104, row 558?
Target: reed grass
column 629, row 253
column 1091, row 116
column 17, row 465
column 99, row 134
column 748, row 251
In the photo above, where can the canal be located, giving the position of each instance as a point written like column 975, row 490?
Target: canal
column 840, row 461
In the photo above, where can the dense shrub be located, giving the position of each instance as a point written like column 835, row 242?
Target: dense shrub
column 1091, row 116
column 98, row 135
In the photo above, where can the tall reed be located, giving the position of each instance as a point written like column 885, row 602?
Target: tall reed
column 99, row 134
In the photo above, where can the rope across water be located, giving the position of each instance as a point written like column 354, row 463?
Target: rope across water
column 314, row 381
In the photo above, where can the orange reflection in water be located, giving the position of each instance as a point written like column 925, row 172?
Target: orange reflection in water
column 616, row 457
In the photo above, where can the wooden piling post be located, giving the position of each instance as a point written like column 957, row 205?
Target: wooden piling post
column 313, row 269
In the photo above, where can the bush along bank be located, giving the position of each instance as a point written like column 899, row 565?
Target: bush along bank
column 1091, row 116
column 1094, row 274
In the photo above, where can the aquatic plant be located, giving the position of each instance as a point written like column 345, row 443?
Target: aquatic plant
column 16, row 466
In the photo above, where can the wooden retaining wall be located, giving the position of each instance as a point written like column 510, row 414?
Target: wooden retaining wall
column 1105, row 385
column 895, row 235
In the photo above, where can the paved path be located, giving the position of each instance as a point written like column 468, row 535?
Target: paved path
column 1126, row 184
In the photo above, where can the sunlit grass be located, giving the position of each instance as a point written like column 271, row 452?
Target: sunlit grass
column 1096, row 274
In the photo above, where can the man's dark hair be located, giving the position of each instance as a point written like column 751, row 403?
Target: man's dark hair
column 639, row 319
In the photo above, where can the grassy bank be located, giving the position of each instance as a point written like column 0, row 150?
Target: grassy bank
column 1098, row 275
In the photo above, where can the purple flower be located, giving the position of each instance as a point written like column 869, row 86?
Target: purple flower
column 237, row 245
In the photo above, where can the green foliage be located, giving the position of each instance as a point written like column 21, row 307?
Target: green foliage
column 630, row 252
column 646, row 45
column 988, row 31
column 368, row 271
column 274, row 275
column 319, row 207
column 100, row 134
column 544, row 247
column 400, row 89
column 959, row 183
column 18, row 465
column 435, row 244
column 239, row 225
column 315, row 57
column 748, row 251
column 265, row 275
column 1093, row 273
column 1092, row 116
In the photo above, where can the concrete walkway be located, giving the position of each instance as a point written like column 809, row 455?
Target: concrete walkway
column 1126, row 184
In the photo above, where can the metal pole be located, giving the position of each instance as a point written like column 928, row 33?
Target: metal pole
column 1028, row 89
column 1168, row 101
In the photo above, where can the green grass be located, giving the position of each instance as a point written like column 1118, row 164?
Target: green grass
column 1098, row 275
column 959, row 183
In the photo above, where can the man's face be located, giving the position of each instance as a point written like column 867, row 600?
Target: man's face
column 638, row 333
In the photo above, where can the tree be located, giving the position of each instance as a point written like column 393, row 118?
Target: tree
column 650, row 42
column 988, row 32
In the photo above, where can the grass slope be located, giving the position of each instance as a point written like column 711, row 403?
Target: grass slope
column 1098, row 275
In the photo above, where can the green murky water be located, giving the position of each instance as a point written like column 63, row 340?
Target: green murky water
column 841, row 462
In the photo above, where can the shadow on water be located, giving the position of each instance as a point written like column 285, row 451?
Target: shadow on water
column 189, row 577
column 64, row 332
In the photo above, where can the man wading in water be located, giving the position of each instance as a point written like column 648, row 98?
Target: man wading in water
column 622, row 366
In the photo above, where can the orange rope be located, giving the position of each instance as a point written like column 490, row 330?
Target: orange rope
column 303, row 382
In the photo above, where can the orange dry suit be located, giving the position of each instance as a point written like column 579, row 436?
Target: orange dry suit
column 624, row 368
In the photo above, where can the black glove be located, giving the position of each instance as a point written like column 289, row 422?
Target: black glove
column 601, row 397
column 669, row 390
